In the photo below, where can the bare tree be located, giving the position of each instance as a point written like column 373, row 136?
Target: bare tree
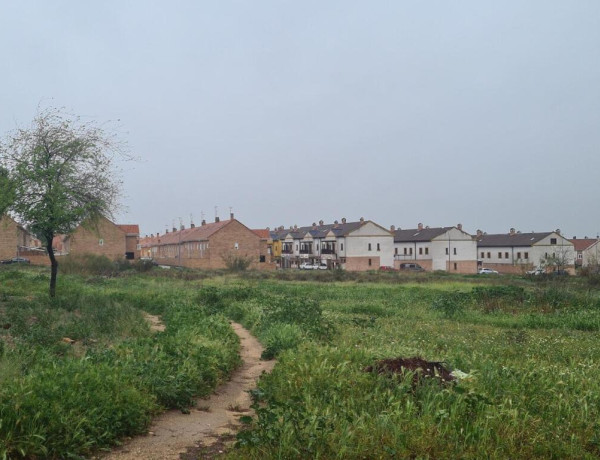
column 62, row 173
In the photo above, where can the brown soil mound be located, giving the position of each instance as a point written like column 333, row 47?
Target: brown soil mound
column 420, row 368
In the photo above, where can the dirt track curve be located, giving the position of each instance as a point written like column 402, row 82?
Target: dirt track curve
column 172, row 433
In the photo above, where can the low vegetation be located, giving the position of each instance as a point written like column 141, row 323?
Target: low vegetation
column 83, row 370
column 523, row 355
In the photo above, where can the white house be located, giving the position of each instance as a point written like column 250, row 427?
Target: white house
column 587, row 251
column 441, row 248
column 515, row 252
column 356, row 246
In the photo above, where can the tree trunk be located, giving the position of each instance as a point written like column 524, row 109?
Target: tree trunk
column 53, row 267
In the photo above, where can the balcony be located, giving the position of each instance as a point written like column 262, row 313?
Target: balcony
column 327, row 250
column 305, row 251
column 287, row 251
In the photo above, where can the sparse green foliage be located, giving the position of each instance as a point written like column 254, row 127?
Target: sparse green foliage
column 235, row 262
column 61, row 172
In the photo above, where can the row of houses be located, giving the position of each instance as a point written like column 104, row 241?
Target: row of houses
column 356, row 246
column 365, row 245
column 102, row 237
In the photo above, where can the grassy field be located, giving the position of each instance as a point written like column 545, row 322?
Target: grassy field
column 527, row 353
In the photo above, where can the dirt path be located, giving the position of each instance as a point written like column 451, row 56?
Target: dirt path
column 173, row 432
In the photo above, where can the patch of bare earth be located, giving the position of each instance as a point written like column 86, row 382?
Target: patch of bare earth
column 213, row 422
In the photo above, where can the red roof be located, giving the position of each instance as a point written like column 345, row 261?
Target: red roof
column 263, row 233
column 200, row 233
column 581, row 244
column 130, row 228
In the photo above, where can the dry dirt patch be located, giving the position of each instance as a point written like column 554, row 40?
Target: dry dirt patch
column 172, row 433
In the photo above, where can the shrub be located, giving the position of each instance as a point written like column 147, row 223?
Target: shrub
column 450, row 304
column 280, row 337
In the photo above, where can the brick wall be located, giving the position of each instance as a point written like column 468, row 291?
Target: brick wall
column 361, row 264
column 87, row 240
column 462, row 266
column 8, row 238
column 220, row 244
column 131, row 242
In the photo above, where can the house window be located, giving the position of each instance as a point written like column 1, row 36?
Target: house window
column 378, row 247
column 369, row 246
column 580, row 256
column 138, row 246
column 518, row 255
column 129, row 255
column 396, row 251
column 499, row 255
column 369, row 262
column 489, row 255
column 454, row 251
column 296, row 247
column 410, row 251
column 405, row 251
column 426, row 251
column 483, row 255
column 420, row 251
column 552, row 240
column 447, row 251
column 236, row 245
column 341, row 246
column 526, row 256
column 455, row 266
column 262, row 259
column 100, row 242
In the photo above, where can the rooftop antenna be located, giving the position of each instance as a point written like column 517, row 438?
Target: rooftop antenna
column 191, row 219
column 180, row 223
column 216, row 211
column 201, row 215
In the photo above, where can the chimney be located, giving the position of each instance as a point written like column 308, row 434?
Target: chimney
column 182, row 227
column 321, row 222
column 479, row 233
column 167, row 231
column 426, row 226
column 192, row 225
column 295, row 227
column 217, row 219
column 230, row 216
column 314, row 225
column 459, row 226
column 392, row 228
column 420, row 226
column 174, row 229
column 362, row 219
column 343, row 220
column 203, row 222
column 512, row 232
column 335, row 222
column 557, row 231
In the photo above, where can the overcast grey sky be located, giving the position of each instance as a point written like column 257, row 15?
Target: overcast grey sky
column 484, row 113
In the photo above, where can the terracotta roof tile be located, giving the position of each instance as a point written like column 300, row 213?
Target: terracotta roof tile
column 263, row 233
column 581, row 244
column 201, row 233
column 130, row 228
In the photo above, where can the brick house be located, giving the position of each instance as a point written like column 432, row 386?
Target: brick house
column 16, row 241
column 208, row 246
column 441, row 248
column 516, row 252
column 354, row 246
column 103, row 237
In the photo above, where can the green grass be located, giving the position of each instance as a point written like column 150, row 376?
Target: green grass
column 530, row 349
column 62, row 400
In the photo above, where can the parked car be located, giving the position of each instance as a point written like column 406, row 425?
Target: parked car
column 487, row 271
column 307, row 266
column 321, row 266
column 411, row 267
column 387, row 268
column 536, row 272
column 15, row 260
